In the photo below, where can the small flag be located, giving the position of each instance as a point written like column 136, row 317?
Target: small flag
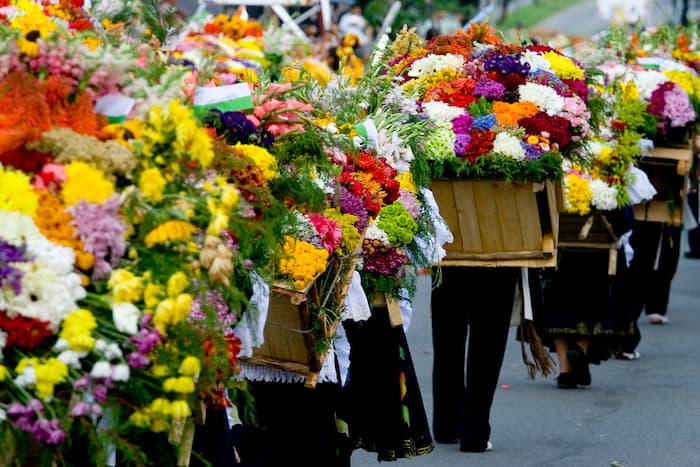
column 116, row 107
column 230, row 98
column 368, row 131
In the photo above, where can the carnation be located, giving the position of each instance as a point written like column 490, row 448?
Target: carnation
column 439, row 111
column 604, row 195
column 508, row 145
column 544, row 97
column 433, row 63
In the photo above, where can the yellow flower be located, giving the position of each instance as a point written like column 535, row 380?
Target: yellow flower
column 16, row 192
column 563, row 66
column 32, row 24
column 85, row 183
column 151, row 184
column 181, row 384
column 152, row 295
column 578, row 194
column 160, row 406
column 81, row 318
column 229, row 196
column 4, row 373
column 160, row 371
column 180, row 409
column 125, row 286
column 262, row 158
column 218, row 222
column 170, row 231
column 177, row 283
column 190, row 366
column 140, row 419
column 76, row 330
column 406, row 182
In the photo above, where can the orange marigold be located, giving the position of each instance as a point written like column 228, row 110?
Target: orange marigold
column 508, row 114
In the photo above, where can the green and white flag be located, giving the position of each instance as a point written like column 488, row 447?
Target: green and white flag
column 116, row 107
column 368, row 131
column 230, row 98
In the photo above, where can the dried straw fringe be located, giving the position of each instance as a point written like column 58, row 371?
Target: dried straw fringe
column 541, row 361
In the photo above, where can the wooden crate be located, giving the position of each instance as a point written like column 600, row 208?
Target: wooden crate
column 668, row 170
column 591, row 231
column 498, row 223
column 290, row 342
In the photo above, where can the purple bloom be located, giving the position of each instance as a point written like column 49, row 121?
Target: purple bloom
column 531, row 151
column 381, row 259
column 82, row 383
column 409, row 201
column 102, row 231
column 507, row 65
column 100, row 392
column 80, row 409
column 212, row 300
column 461, row 143
column 489, row 89
column 137, row 360
column 463, row 124
column 9, row 276
column 351, row 204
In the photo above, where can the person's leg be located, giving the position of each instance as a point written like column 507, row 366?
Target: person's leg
column 645, row 243
column 669, row 255
column 449, row 330
column 561, row 345
column 492, row 303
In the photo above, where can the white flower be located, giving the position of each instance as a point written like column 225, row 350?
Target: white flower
column 3, row 416
column 45, row 295
column 604, row 195
column 101, row 369
column 397, row 154
column 126, row 317
column 544, row 97
column 375, row 233
column 508, row 145
column 536, row 61
column 436, row 110
column 646, row 81
column 3, row 340
column 113, row 351
column 27, row 377
column 71, row 357
column 433, row 63
column 120, row 372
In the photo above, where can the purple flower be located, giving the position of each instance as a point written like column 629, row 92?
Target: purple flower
column 461, row 143
column 82, row 383
column 409, row 201
column 137, row 360
column 100, row 392
column 9, row 276
column 80, row 409
column 531, row 151
column 507, row 65
column 489, row 89
column 463, row 124
column 102, row 231
column 351, row 204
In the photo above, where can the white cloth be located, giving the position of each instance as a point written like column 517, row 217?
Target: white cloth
column 357, row 306
column 640, row 188
column 432, row 248
column 251, row 329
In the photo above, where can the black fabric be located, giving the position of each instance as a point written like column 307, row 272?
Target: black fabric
column 579, row 299
column 294, row 426
column 470, row 317
column 213, row 441
column 383, row 405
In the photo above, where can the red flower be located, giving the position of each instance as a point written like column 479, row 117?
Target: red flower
column 27, row 333
column 481, row 143
column 557, row 129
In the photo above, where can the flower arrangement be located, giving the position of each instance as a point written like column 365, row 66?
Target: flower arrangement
column 501, row 111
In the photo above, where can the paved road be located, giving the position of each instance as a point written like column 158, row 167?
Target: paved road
column 643, row 413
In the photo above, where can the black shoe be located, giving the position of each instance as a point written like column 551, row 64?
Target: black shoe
column 693, row 255
column 442, row 440
column 579, row 362
column 566, row 381
column 446, row 437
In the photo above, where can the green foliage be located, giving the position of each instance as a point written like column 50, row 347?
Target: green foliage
column 499, row 167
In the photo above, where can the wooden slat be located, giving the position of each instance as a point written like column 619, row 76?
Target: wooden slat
column 678, row 154
column 487, row 213
column 529, row 217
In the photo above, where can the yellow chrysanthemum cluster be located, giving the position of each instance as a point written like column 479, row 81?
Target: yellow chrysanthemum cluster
column 85, row 183
column 47, row 374
column 178, row 128
column 125, row 286
column 170, row 231
column 406, row 182
column 17, row 193
column 425, row 83
column 302, row 261
column 152, row 183
column 265, row 161
column 175, row 308
column 578, row 195
column 77, row 328
column 563, row 66
column 689, row 82
column 223, row 199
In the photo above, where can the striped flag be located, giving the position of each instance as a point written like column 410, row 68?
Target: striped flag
column 230, row 98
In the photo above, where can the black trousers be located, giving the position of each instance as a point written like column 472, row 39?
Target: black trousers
column 656, row 253
column 471, row 312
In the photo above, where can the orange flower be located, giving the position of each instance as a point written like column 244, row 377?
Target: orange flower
column 24, row 114
column 56, row 224
column 508, row 114
column 78, row 114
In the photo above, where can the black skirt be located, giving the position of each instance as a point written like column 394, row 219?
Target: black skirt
column 381, row 400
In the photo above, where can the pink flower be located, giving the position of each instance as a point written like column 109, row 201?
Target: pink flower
column 328, row 230
column 50, row 176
